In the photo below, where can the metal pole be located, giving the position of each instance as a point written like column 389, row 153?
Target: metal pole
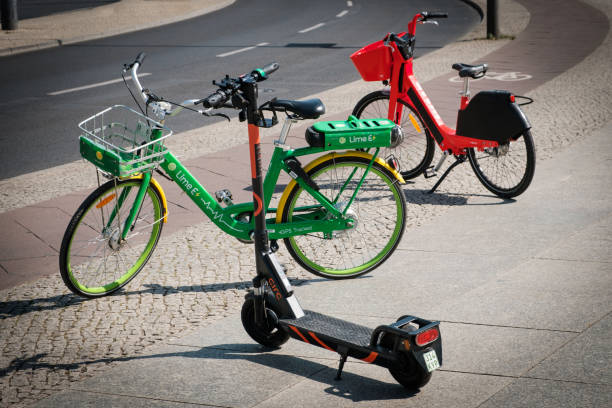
column 8, row 14
column 492, row 19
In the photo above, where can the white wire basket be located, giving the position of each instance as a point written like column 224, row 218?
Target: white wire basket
column 122, row 141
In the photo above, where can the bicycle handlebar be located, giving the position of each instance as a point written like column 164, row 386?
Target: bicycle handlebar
column 140, row 57
column 435, row 14
column 227, row 87
column 423, row 17
column 214, row 100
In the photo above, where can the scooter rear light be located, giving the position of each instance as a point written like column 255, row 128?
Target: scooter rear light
column 512, row 98
column 427, row 337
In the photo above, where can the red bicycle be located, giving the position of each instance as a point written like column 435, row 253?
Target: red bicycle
column 492, row 131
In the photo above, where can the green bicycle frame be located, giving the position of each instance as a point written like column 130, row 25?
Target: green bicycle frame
column 225, row 217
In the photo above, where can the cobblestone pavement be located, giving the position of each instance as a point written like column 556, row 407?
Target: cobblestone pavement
column 50, row 338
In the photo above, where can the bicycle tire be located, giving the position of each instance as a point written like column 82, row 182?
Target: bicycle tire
column 379, row 210
column 508, row 173
column 93, row 262
column 417, row 149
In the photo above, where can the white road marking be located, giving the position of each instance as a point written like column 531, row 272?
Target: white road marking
column 227, row 54
column 81, row 88
column 349, row 3
column 314, row 27
column 342, row 13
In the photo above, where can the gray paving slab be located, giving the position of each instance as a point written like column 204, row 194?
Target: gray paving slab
column 597, row 250
column 530, row 393
column 209, row 376
column 365, row 386
column 553, row 295
column 28, row 245
column 86, row 399
column 44, row 221
column 585, row 359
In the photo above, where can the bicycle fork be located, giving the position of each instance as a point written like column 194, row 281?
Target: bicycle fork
column 130, row 222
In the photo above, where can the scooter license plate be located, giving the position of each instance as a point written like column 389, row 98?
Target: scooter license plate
column 431, row 360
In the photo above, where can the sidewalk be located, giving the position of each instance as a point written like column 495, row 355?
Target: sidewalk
column 523, row 291
column 530, row 279
column 103, row 21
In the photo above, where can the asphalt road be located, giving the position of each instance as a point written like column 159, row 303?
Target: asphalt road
column 312, row 41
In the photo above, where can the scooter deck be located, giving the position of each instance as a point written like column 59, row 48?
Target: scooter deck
column 347, row 332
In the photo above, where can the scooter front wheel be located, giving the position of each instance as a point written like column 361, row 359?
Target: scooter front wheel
column 268, row 334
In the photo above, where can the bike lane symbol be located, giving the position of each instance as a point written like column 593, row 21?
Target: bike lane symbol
column 500, row 76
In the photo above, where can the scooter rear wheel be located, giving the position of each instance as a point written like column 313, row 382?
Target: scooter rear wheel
column 269, row 335
column 410, row 374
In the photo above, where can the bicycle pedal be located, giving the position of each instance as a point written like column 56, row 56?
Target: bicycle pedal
column 224, row 196
column 430, row 172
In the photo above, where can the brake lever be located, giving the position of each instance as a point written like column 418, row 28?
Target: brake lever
column 205, row 113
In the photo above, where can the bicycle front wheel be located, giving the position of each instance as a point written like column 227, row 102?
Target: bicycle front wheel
column 416, row 150
column 94, row 260
column 378, row 211
column 506, row 170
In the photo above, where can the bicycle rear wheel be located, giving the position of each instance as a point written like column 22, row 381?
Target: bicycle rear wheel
column 507, row 170
column 415, row 152
column 94, row 260
column 378, row 211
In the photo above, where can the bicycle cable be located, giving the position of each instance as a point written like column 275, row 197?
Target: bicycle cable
column 130, row 91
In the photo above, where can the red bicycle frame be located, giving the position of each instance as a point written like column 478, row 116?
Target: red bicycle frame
column 405, row 86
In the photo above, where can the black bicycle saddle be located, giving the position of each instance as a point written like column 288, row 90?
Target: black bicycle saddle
column 308, row 109
column 473, row 71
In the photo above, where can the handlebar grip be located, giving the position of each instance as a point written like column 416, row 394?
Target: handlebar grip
column 434, row 14
column 140, row 58
column 262, row 73
column 270, row 68
column 214, row 100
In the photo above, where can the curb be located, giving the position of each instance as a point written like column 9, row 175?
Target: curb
column 476, row 7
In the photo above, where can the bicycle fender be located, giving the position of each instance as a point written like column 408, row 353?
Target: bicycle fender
column 491, row 115
column 161, row 192
column 319, row 160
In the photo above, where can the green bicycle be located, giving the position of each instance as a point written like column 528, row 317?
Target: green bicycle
column 340, row 216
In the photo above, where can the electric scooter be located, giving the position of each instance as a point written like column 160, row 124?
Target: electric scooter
column 411, row 348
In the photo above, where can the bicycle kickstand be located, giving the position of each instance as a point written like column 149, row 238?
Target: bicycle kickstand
column 458, row 161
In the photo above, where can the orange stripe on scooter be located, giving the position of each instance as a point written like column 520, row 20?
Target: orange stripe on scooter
column 320, row 342
column 299, row 334
column 253, row 140
column 259, row 205
column 371, row 357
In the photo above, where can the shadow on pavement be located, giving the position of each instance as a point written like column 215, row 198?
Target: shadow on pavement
column 352, row 386
column 450, row 199
column 21, row 307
